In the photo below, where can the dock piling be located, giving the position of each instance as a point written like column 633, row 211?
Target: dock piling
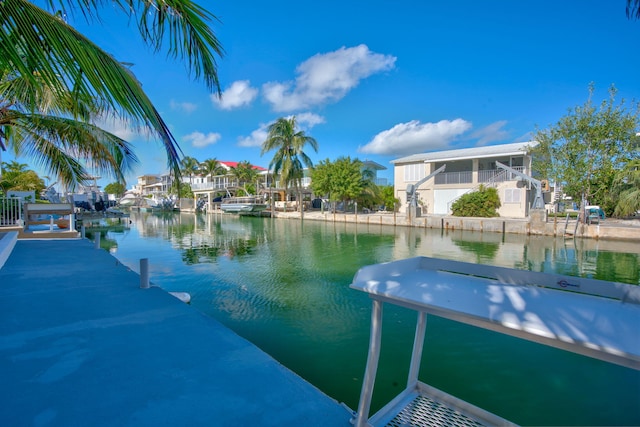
column 144, row 273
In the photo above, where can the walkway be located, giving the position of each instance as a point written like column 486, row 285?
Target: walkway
column 81, row 344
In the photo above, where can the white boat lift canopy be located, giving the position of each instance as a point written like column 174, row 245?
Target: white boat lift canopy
column 586, row 316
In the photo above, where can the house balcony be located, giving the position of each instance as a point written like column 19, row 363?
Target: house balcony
column 481, row 177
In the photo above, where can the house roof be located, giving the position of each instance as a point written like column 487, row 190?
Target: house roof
column 373, row 165
column 229, row 165
column 514, row 149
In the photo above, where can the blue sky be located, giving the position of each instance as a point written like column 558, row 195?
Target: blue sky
column 381, row 79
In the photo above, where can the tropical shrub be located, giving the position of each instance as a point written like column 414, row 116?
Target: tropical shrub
column 481, row 203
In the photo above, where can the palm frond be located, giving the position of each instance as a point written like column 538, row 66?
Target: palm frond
column 36, row 43
column 633, row 9
column 57, row 143
column 183, row 24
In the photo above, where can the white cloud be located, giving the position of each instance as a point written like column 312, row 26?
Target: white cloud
column 491, row 133
column 240, row 93
column 256, row 138
column 326, row 78
column 308, row 120
column 187, row 107
column 200, row 140
column 121, row 128
column 415, row 137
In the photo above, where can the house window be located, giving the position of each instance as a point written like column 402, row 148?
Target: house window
column 414, row 172
column 512, row 195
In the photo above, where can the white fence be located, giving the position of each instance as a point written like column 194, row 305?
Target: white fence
column 11, row 211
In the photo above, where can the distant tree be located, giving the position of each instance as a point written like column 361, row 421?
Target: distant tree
column 388, row 198
column 289, row 158
column 584, row 149
column 482, row 203
column 212, row 167
column 14, row 167
column 321, row 179
column 189, row 167
column 245, row 173
column 181, row 190
column 344, row 180
column 115, row 188
column 16, row 177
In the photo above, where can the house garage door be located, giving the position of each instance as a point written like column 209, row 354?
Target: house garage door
column 441, row 199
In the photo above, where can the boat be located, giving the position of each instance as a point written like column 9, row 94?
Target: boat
column 128, row 200
column 243, row 204
column 586, row 316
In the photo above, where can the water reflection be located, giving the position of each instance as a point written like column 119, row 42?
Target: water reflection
column 283, row 285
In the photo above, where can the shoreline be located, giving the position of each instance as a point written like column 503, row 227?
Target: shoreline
column 609, row 229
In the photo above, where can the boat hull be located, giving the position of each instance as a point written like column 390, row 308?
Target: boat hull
column 242, row 207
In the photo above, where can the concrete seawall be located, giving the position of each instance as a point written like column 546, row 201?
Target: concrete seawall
column 610, row 229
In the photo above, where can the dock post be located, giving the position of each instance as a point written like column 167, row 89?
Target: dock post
column 362, row 415
column 144, row 273
column 96, row 240
column 51, row 223
column 83, row 232
column 72, row 222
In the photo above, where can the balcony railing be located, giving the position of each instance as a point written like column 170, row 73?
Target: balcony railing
column 466, row 177
column 497, row 175
column 202, row 186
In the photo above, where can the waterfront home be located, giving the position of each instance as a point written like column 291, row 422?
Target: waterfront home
column 465, row 170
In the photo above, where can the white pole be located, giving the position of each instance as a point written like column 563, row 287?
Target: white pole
column 51, row 223
column 82, row 231
column 144, row 273
column 96, row 241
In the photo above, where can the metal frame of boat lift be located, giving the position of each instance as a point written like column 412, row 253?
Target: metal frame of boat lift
column 591, row 317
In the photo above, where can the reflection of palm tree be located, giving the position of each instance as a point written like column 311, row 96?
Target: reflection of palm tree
column 289, row 159
column 91, row 82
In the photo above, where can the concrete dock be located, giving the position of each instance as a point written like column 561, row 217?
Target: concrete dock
column 81, row 344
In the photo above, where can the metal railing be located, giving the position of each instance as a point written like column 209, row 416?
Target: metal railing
column 464, row 177
column 11, row 211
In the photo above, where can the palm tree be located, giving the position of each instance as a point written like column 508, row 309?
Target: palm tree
column 211, row 167
column 633, row 9
column 626, row 185
column 245, row 173
column 44, row 126
column 289, row 159
column 190, row 167
column 14, row 167
column 42, row 49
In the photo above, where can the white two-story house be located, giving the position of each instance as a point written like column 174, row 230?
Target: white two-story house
column 465, row 170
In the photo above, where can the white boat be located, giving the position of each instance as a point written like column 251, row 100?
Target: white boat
column 243, row 204
column 585, row 316
column 129, row 199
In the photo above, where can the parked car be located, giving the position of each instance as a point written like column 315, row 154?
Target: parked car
column 594, row 213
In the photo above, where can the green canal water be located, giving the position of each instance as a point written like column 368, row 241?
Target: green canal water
column 284, row 285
